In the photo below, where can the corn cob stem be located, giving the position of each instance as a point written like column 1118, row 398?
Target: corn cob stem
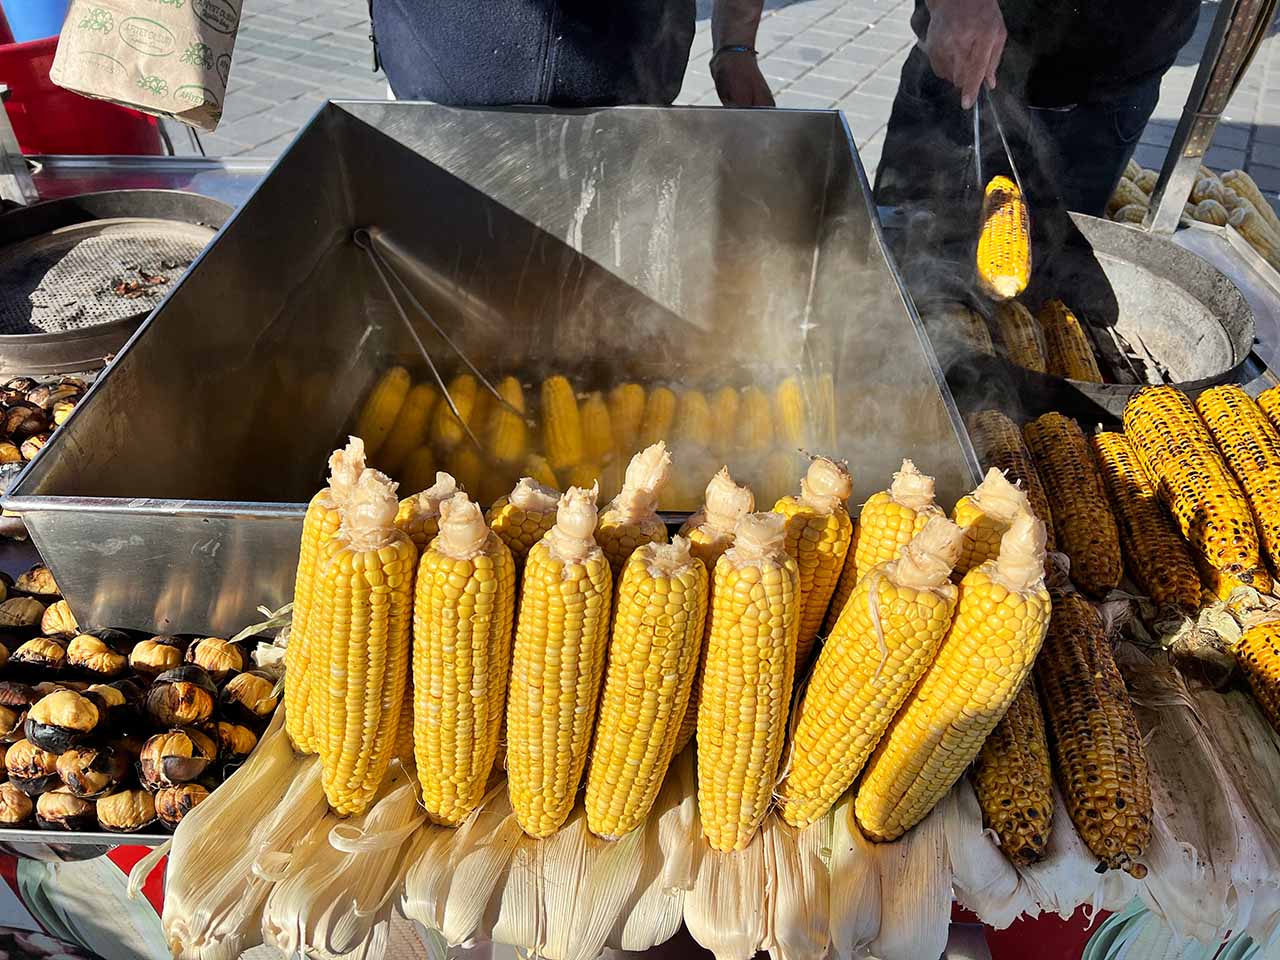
column 985, row 515
column 419, row 515
column 632, row 518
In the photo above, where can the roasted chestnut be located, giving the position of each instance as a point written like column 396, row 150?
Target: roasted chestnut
column 31, row 769
column 22, row 420
column 46, row 687
column 23, row 613
column 178, row 756
column 174, row 803
column 150, row 658
column 47, row 394
column 33, row 445
column 59, row 620
column 220, row 658
column 91, row 771
column 62, row 810
column 126, row 811
column 61, row 410
column 90, row 656
column 235, row 742
column 181, row 697
column 61, row 720
column 39, row 656
column 116, row 702
column 128, row 746
column 39, row 581
column 15, row 806
column 9, row 452
column 20, row 384
column 250, row 696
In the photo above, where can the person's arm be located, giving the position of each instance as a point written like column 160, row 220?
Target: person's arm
column 964, row 44
column 739, row 81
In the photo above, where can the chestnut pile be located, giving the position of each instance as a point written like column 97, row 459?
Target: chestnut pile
column 31, row 411
column 110, row 729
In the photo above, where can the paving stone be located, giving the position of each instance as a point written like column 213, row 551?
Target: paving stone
column 785, row 69
column 858, row 53
column 1267, row 154
column 886, row 88
column 864, row 128
column 1223, row 158
column 1267, row 178
column 883, row 41
column 824, row 40
column 238, row 106
column 801, row 53
column 804, row 101
column 258, row 129
column 1266, row 133
column 820, row 86
column 844, row 70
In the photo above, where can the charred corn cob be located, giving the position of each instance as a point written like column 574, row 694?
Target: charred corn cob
column 724, row 413
column 883, row 642
column 464, row 610
column 626, row 411
column 447, row 430
column 659, row 415
column 998, row 443
column 755, row 422
column 1020, row 335
column 632, row 518
column 506, row 433
column 561, row 424
column 381, row 407
column 1013, row 780
column 1086, row 527
column 999, row 625
column 1126, row 192
column 524, row 517
column 1258, row 653
column 319, row 527
column 693, row 424
column 958, row 322
column 746, row 680
column 1178, row 455
column 1157, row 557
column 1097, row 748
column 562, row 635
column 1132, row 169
column 984, row 516
column 537, row 468
column 653, row 656
column 788, row 416
column 1269, row 402
column 418, row 471
column 818, row 535
column 1068, row 352
column 409, row 430
column 1004, row 245
column 598, row 442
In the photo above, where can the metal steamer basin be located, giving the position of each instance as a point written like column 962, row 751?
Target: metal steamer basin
column 680, row 245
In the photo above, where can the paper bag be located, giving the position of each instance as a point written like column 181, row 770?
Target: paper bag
column 170, row 58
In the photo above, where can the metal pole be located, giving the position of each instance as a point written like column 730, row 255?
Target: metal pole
column 16, row 185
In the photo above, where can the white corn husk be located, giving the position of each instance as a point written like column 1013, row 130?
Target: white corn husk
column 915, row 889
column 984, row 879
column 797, row 888
column 1067, row 877
column 726, row 910
column 855, row 885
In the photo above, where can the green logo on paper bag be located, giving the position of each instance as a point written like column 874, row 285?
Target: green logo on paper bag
column 147, row 36
column 157, row 85
column 196, row 95
column 103, row 62
column 176, row 4
column 220, row 15
column 199, row 54
column 224, row 68
column 97, row 19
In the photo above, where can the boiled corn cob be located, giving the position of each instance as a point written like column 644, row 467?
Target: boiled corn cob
column 1068, row 352
column 1132, row 169
column 418, row 471
column 1157, row 557
column 626, row 411
column 659, row 415
column 467, row 464
column 883, row 642
column 998, row 443
column 1269, row 402
column 506, row 434
column 984, row 516
column 1178, row 455
column 561, row 424
column 418, row 516
column 746, row 680
column 1004, row 245
column 1258, row 653
column 632, row 518
column 788, row 413
column 1146, row 181
column 653, row 657
column 562, row 635
column 584, row 475
column 612, row 475
column 724, row 412
column 1126, row 192
column 1020, row 335
column 524, row 517
column 1257, row 231
column 598, row 442
column 409, row 430
column 1211, row 211
column 381, row 407
column 689, row 481
column 777, row 474
column 1097, row 748
column 999, row 624
column 693, row 424
column 464, row 611
column 447, row 430
column 1086, row 528
column 1013, row 780
column 1131, row 213
column 755, row 421
column 319, row 527
column 819, row 532
column 1245, row 187
column 537, row 468
column 363, row 612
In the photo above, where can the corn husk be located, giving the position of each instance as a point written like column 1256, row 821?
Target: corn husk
column 725, row 911
column 799, row 892
column 855, row 885
column 984, row 879
column 915, row 888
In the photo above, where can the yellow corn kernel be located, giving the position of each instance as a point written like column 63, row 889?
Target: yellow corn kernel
column 755, row 422
column 724, row 417
column 1020, row 336
column 788, row 417
column 447, row 431
column 984, row 516
column 1258, row 653
column 998, row 443
column 598, row 442
column 1068, row 352
column 888, row 522
column 409, row 430
column 659, row 416
column 418, row 516
column 524, row 516
column 561, row 424
column 1004, row 245
column 1269, row 403
column 381, row 407
column 632, row 518
column 506, row 433
column 693, row 425
column 537, row 468
column 626, row 411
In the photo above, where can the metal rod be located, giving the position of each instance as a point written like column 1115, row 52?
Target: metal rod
column 16, row 184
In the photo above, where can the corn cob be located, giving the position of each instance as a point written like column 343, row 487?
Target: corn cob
column 1269, row 403
column 659, row 415
column 381, row 408
column 883, row 642
column 1146, row 181
column 561, row 424
column 319, row 527
column 1157, row 557
column 1178, row 455
column 1132, row 169
column 1131, row 213
column 984, row 516
column 584, row 475
column 363, row 612
column 1125, row 193
column 537, row 468
column 410, row 428
column 418, row 471
column 464, row 610
column 598, row 442
column 1067, row 349
column 724, row 413
column 778, row 474
column 818, row 535
column 956, row 321
column 1258, row 232
column 1086, row 528
column 611, row 476
column 467, row 464
column 693, row 425
column 1004, row 245
column 1013, row 780
column 447, row 430
column 524, row 517
column 1211, row 211
column 1020, row 335
column 506, row 435
column 746, row 680
column 690, row 479
column 710, row 534
column 788, row 416
column 632, row 518
column 1245, row 187
column 755, row 422
column 1097, row 748
column 998, row 443
column 562, row 635
column 626, row 411
column 653, row 657
column 999, row 625
column 418, row 516
column 1258, row 653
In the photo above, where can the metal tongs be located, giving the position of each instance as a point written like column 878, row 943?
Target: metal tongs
column 983, row 91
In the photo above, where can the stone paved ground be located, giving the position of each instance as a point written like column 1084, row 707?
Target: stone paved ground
column 816, row 54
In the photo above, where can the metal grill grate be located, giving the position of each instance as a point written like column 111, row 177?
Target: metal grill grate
column 93, row 273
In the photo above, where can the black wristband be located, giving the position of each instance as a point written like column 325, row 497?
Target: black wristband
column 733, row 48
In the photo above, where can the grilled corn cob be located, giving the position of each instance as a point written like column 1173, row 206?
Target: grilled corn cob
column 464, row 610
column 626, row 411
column 999, row 625
column 984, row 516
column 653, row 656
column 956, row 321
column 1013, row 781
column 562, row 635
column 418, row 516
column 746, row 680
column 1258, row 653
column 1157, row 557
column 1269, row 402
column 1244, row 186
column 598, row 442
column 998, row 443
column 1020, row 335
column 788, row 418
column 447, row 430
column 1068, row 352
column 506, row 435
column 561, row 424
column 724, row 414
column 1178, row 455
column 883, row 642
column 755, row 421
column 1086, row 527
column 1004, row 245
column 1097, row 748
column 818, row 535
column 418, row 471
column 632, row 518
column 410, row 428
column 1132, row 169
column 524, row 517
column 659, row 415
column 693, row 424
column 381, row 408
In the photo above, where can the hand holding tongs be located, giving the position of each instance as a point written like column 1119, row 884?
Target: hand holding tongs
column 977, row 138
